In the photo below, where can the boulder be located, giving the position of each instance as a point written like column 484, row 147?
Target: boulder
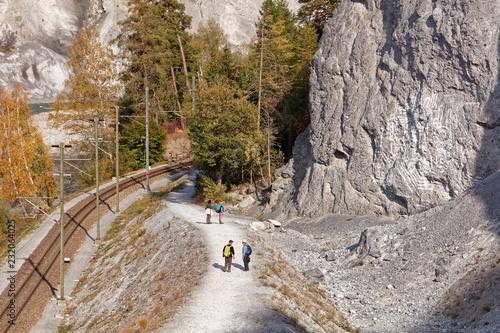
column 275, row 223
column 314, row 275
column 330, row 256
column 258, row 226
column 370, row 243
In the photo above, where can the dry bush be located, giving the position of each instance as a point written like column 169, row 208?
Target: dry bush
column 307, row 305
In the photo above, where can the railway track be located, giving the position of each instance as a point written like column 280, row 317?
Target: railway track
column 37, row 279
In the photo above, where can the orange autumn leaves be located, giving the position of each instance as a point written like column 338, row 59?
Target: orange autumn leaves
column 25, row 164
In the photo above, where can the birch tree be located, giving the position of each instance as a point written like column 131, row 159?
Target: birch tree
column 94, row 85
column 25, row 164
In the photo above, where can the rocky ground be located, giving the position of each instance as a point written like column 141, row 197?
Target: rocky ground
column 435, row 272
column 438, row 271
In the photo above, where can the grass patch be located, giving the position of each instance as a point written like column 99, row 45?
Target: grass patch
column 143, row 321
column 299, row 299
column 23, row 227
column 64, row 328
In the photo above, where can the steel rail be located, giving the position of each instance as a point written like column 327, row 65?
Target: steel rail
column 73, row 220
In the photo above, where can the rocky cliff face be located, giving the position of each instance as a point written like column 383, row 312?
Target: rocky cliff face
column 34, row 35
column 404, row 109
column 236, row 17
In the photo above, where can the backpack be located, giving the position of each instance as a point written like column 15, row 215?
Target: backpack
column 217, row 210
column 249, row 250
column 227, row 251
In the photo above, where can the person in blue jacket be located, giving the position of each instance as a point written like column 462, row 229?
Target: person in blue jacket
column 246, row 256
column 220, row 209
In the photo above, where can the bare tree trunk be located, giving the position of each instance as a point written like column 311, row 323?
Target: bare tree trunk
column 184, row 66
column 269, row 153
column 23, row 146
column 260, row 77
column 177, row 95
column 251, row 174
column 219, row 177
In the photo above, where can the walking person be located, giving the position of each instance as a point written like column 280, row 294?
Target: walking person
column 208, row 211
column 220, row 209
column 228, row 254
column 246, row 252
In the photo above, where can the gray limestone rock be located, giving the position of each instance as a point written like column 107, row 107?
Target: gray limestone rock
column 404, row 106
column 330, row 256
column 51, row 26
column 314, row 275
column 236, row 17
column 35, row 36
column 36, row 67
column 370, row 243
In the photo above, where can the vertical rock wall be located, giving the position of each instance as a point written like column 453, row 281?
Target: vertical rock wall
column 236, row 17
column 404, row 109
column 34, row 36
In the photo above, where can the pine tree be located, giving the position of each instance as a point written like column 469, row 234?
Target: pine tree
column 133, row 144
column 284, row 50
column 295, row 107
column 317, row 12
column 208, row 41
column 155, row 36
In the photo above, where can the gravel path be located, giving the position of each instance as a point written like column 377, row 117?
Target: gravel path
column 223, row 302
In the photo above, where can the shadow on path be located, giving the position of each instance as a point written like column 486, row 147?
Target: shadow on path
column 219, row 266
column 238, row 266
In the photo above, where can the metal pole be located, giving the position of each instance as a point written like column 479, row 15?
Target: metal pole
column 147, row 140
column 61, row 300
column 98, row 238
column 117, row 160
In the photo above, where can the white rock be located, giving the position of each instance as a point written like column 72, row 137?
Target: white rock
column 258, row 226
column 275, row 223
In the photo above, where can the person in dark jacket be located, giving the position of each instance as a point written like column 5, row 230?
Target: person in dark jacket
column 228, row 254
column 208, row 211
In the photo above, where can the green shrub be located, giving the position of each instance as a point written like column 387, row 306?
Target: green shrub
column 207, row 189
column 6, row 214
